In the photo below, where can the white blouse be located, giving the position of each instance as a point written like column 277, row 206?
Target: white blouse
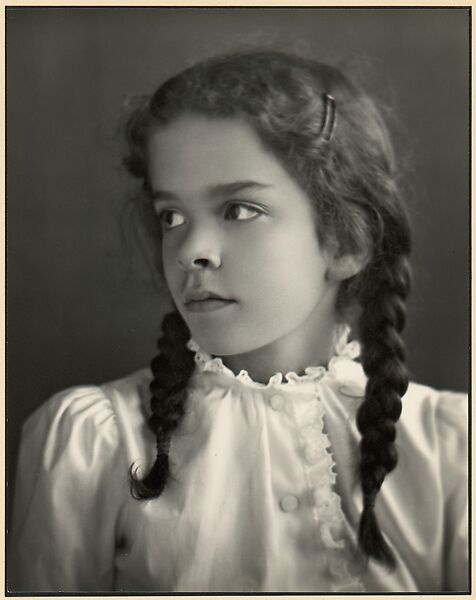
column 264, row 495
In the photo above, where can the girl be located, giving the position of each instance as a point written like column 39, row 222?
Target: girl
column 266, row 457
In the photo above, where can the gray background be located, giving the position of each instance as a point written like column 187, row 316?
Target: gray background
column 82, row 305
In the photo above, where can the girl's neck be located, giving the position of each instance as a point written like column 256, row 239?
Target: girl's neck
column 312, row 344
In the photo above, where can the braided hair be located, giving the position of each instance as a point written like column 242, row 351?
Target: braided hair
column 171, row 370
column 350, row 176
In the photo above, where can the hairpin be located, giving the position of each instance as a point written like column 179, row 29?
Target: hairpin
column 330, row 117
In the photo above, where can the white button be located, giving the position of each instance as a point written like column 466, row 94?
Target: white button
column 276, row 402
column 353, row 391
column 288, row 503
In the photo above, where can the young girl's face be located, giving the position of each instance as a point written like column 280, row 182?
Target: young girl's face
column 240, row 252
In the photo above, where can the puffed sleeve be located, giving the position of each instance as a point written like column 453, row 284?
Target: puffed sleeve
column 67, row 496
column 452, row 422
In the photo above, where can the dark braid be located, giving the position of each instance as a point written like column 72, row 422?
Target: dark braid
column 172, row 369
column 382, row 297
column 351, row 179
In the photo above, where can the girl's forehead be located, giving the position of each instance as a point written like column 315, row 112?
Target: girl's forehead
column 200, row 150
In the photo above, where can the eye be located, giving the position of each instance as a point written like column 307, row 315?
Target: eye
column 241, row 212
column 170, row 219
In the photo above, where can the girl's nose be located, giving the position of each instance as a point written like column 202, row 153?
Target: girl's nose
column 197, row 253
column 208, row 260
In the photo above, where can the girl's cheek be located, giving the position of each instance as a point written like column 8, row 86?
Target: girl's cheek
column 170, row 267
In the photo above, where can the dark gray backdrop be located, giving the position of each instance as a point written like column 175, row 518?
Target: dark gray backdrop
column 81, row 307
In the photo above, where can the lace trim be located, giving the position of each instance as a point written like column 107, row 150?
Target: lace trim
column 343, row 349
column 332, row 529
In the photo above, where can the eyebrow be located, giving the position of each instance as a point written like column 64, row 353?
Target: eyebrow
column 215, row 191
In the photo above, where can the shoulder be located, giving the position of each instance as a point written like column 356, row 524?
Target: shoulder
column 445, row 407
column 69, row 409
column 435, row 420
column 86, row 419
column 96, row 403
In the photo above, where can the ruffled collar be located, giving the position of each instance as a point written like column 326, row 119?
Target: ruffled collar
column 344, row 353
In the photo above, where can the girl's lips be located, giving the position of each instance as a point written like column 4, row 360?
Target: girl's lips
column 207, row 304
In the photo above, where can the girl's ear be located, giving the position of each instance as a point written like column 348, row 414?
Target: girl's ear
column 345, row 266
